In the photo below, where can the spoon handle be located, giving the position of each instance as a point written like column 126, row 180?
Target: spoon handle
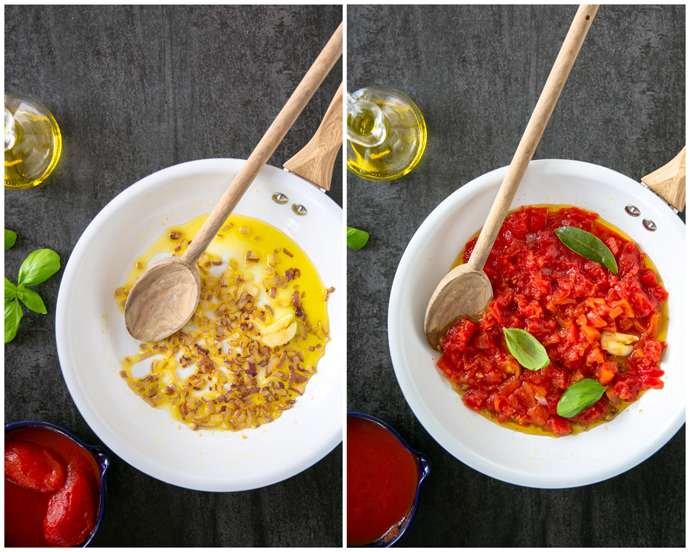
column 314, row 162
column 530, row 139
column 265, row 148
column 669, row 181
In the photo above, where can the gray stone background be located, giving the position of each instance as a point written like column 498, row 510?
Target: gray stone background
column 476, row 73
column 136, row 89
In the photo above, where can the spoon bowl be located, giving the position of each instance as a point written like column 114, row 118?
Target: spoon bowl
column 463, row 292
column 162, row 300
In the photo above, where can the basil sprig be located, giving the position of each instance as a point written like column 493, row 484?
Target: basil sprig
column 526, row 349
column 36, row 268
column 579, row 397
column 356, row 239
column 588, row 246
column 10, row 238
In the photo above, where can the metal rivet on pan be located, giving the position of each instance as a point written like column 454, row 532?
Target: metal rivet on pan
column 649, row 225
column 632, row 211
column 301, row 210
column 282, row 199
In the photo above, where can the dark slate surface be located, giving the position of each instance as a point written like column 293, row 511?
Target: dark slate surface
column 135, row 90
column 476, row 73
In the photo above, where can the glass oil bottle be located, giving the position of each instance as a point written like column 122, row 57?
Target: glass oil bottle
column 33, row 142
column 386, row 133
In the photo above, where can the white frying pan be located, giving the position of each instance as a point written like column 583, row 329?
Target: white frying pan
column 92, row 339
column 522, row 459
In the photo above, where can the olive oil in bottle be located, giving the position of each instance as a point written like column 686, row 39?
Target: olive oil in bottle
column 33, row 142
column 386, row 133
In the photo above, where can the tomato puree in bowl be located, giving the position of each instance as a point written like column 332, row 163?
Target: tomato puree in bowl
column 591, row 322
column 383, row 477
column 53, row 493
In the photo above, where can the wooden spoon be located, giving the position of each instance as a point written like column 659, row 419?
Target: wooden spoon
column 466, row 291
column 165, row 296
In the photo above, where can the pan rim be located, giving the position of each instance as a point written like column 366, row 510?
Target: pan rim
column 332, row 435
column 408, row 368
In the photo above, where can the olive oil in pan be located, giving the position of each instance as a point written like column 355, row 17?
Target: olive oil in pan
column 232, row 243
column 204, row 392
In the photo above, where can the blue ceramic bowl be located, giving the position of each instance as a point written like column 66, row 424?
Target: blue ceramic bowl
column 99, row 454
column 423, row 469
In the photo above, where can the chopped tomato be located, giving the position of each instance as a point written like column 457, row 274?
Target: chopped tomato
column 558, row 425
column 458, row 337
column 566, row 302
column 592, row 414
column 606, row 371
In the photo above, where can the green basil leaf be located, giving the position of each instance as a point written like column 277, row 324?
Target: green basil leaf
column 526, row 349
column 13, row 314
column 356, row 239
column 33, row 300
column 10, row 238
column 10, row 290
column 38, row 267
column 579, row 396
column 588, row 246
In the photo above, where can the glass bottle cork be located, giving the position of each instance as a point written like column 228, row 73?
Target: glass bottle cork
column 33, row 142
column 386, row 133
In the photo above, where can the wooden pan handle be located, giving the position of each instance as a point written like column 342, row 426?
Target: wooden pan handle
column 314, row 162
column 535, row 128
column 669, row 181
column 265, row 148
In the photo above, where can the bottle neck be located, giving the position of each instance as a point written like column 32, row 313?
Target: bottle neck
column 366, row 124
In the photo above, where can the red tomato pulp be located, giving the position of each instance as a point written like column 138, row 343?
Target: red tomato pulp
column 565, row 301
column 382, row 479
column 25, row 509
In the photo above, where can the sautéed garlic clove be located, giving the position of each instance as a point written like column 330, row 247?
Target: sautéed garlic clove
column 280, row 332
column 618, row 344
